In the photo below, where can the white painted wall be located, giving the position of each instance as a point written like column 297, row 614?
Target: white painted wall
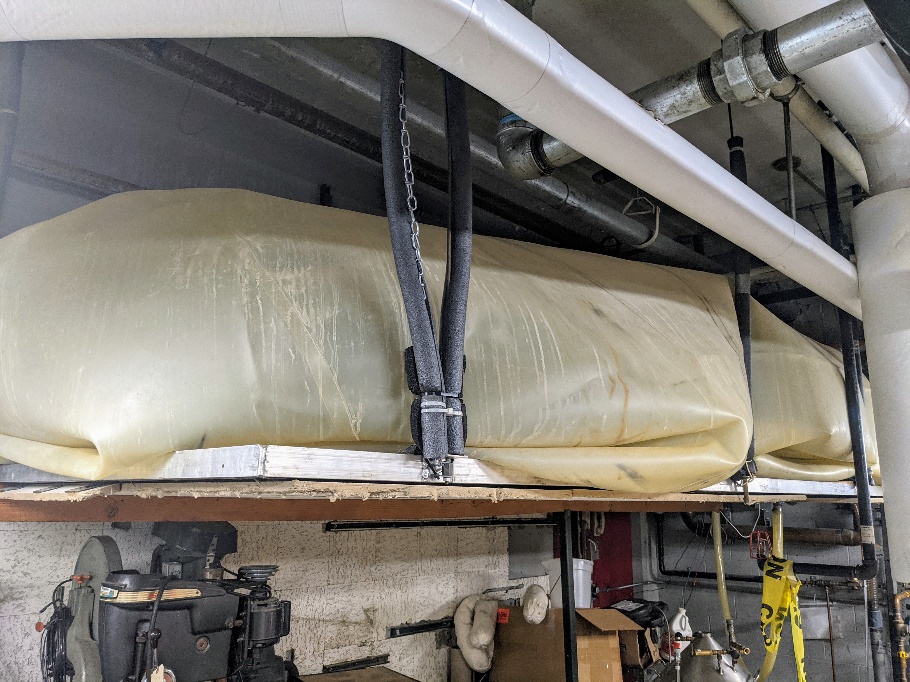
column 345, row 588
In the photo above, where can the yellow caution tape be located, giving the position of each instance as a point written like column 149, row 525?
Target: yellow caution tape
column 779, row 601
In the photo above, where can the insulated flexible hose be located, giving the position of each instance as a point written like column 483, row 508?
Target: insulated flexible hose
column 428, row 424
column 458, row 263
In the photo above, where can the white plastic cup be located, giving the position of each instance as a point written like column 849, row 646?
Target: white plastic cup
column 582, row 570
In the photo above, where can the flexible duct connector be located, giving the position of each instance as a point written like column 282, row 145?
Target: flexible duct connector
column 475, row 627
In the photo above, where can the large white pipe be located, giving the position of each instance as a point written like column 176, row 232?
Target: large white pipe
column 866, row 91
column 496, row 49
column 882, row 232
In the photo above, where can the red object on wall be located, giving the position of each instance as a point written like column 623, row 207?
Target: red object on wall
column 614, row 568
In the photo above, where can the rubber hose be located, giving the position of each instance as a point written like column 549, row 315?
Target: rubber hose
column 426, row 354
column 428, row 421
column 458, row 263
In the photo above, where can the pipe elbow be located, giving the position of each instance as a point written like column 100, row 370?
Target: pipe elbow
column 515, row 147
column 867, row 570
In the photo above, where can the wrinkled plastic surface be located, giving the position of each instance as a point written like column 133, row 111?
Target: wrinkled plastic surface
column 150, row 322
column 801, row 428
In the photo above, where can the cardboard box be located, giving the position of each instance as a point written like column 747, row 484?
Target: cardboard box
column 637, row 649
column 534, row 653
column 378, row 674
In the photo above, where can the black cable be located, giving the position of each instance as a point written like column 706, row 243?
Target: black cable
column 153, row 636
column 55, row 666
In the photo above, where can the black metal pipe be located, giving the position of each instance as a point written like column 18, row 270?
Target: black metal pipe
column 868, row 569
column 788, row 145
column 458, row 262
column 11, row 56
column 567, row 581
column 343, row 526
column 742, row 285
column 428, row 422
column 694, row 575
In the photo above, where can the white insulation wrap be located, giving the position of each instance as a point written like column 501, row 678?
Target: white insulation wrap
column 491, row 46
column 149, row 322
column 882, row 229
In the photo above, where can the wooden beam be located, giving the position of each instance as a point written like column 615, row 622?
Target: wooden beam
column 131, row 508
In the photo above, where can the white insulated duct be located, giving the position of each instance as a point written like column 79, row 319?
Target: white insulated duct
column 867, row 92
column 496, row 49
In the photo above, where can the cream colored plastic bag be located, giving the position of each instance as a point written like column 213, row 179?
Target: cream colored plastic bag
column 150, row 322
column 801, row 429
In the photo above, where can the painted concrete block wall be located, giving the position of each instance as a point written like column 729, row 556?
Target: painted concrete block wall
column 345, row 588
column 685, row 551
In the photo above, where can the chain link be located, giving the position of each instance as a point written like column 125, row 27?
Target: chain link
column 409, row 180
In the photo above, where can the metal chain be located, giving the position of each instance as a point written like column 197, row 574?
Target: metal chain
column 409, row 180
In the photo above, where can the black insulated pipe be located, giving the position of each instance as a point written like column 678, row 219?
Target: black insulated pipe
column 868, row 569
column 742, row 285
column 690, row 575
column 425, row 379
column 458, row 261
column 567, row 582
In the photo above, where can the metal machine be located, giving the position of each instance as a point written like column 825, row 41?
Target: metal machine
column 705, row 660
column 184, row 622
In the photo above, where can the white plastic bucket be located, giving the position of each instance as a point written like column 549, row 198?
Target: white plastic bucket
column 582, row 570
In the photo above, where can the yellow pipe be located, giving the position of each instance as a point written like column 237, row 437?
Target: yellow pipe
column 777, row 549
column 719, row 560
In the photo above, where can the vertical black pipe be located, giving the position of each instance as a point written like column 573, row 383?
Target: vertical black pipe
column 742, row 284
column 458, row 262
column 428, row 422
column 853, row 389
column 853, row 378
column 791, row 169
column 567, row 580
column 11, row 56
